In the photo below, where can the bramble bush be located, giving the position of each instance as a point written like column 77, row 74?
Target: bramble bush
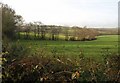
column 42, row 68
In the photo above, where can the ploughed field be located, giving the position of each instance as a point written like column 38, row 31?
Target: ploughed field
column 104, row 45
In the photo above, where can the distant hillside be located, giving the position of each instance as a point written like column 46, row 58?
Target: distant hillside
column 107, row 31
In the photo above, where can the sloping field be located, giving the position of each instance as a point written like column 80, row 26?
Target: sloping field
column 103, row 46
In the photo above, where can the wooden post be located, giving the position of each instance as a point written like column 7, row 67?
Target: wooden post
column 0, row 42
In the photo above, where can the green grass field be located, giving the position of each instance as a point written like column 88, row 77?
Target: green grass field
column 104, row 45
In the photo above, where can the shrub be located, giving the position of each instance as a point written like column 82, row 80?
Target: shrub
column 40, row 68
column 72, row 39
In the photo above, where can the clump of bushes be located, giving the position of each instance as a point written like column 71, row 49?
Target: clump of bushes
column 72, row 39
column 12, row 51
column 40, row 68
column 34, row 69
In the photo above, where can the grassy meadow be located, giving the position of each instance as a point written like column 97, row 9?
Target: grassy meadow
column 104, row 45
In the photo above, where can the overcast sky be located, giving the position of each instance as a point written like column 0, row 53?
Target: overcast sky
column 91, row 13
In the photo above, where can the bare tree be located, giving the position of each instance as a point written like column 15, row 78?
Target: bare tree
column 19, row 23
column 66, row 33
column 43, row 31
column 54, row 32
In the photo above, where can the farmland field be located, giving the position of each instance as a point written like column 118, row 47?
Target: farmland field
column 104, row 45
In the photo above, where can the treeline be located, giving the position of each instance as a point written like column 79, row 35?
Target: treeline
column 13, row 27
column 53, row 32
column 108, row 31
